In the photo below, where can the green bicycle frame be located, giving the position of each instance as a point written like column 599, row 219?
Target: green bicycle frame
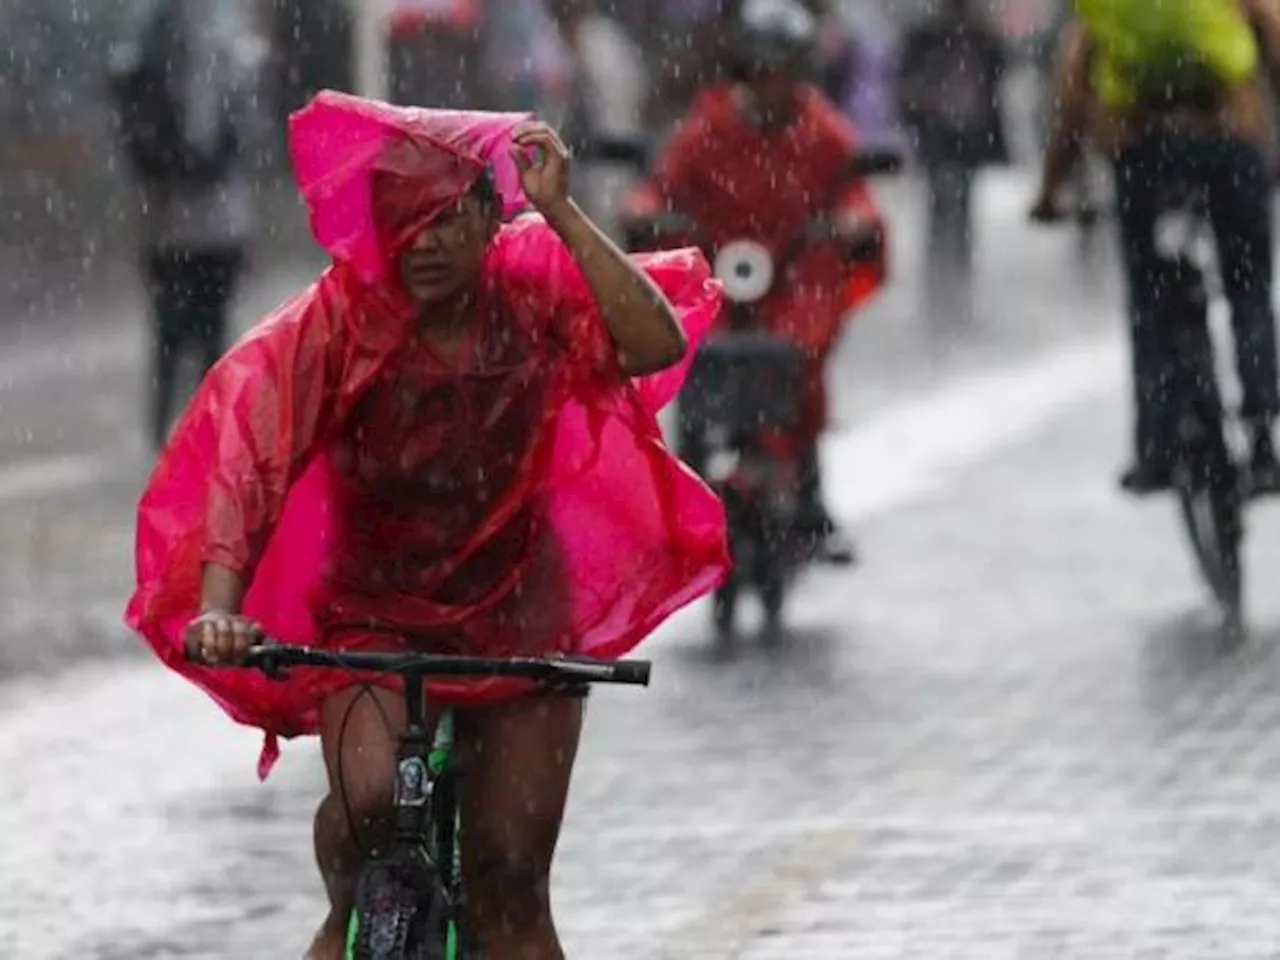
column 419, row 771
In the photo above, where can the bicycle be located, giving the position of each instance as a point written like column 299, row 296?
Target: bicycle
column 1211, row 477
column 409, row 900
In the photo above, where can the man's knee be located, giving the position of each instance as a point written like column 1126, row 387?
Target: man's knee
column 355, row 819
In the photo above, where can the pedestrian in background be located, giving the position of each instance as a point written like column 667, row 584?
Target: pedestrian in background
column 186, row 85
column 606, row 99
column 949, row 82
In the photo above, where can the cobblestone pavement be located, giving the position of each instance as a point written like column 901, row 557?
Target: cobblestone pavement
column 1009, row 734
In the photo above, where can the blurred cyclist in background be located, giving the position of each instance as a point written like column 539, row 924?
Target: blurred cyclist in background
column 1179, row 92
column 765, row 158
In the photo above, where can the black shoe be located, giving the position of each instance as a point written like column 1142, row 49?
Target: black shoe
column 830, row 544
column 836, row 549
column 1147, row 477
column 1264, row 468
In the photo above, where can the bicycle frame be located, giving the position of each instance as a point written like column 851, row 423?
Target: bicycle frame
column 429, row 897
column 426, row 807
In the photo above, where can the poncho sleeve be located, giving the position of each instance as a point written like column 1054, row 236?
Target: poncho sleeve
column 639, row 533
column 268, row 402
column 219, row 489
column 546, row 278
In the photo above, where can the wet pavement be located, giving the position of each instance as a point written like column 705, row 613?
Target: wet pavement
column 1011, row 733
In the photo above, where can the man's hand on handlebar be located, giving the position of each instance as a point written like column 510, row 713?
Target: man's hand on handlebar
column 220, row 638
column 1047, row 209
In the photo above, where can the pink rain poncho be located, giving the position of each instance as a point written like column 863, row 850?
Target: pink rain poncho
column 516, row 500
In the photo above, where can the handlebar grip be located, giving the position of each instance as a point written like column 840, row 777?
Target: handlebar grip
column 191, row 649
column 632, row 671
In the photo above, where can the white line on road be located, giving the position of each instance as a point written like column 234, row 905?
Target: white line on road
column 38, row 478
column 912, row 448
column 723, row 932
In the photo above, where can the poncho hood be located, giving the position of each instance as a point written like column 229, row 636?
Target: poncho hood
column 340, row 143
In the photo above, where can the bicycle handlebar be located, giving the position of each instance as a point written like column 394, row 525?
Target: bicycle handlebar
column 272, row 659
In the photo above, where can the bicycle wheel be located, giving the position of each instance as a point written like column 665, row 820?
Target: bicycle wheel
column 398, row 912
column 1208, row 481
column 1212, row 515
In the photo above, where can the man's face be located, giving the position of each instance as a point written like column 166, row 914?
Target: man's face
column 774, row 94
column 445, row 256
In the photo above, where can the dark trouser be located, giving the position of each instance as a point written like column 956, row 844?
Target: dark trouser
column 1238, row 181
column 949, row 254
column 190, row 293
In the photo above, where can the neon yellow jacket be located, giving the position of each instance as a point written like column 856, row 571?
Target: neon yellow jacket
column 1159, row 48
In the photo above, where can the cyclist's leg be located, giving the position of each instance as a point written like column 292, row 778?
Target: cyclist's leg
column 518, row 757
column 357, row 733
column 832, row 543
column 1237, row 175
column 1139, row 171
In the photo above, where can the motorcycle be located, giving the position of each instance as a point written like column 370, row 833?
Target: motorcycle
column 742, row 400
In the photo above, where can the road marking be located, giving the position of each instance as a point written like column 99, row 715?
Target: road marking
column 39, row 478
column 913, row 448
column 724, row 932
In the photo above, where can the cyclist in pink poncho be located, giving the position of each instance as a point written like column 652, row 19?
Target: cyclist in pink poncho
column 438, row 446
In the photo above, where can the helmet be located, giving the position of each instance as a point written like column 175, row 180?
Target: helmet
column 774, row 35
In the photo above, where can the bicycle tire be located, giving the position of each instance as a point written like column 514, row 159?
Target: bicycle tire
column 1212, row 516
column 394, row 917
column 1207, row 480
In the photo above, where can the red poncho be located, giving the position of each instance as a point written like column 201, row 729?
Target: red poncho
column 518, row 500
column 738, row 181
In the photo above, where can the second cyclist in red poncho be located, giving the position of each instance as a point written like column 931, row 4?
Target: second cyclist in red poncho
column 439, row 446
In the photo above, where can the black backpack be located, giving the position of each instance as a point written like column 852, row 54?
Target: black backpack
column 152, row 119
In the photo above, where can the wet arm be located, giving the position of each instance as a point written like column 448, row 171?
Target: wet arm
column 269, row 402
column 639, row 317
column 1265, row 18
column 223, row 589
column 1072, row 93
